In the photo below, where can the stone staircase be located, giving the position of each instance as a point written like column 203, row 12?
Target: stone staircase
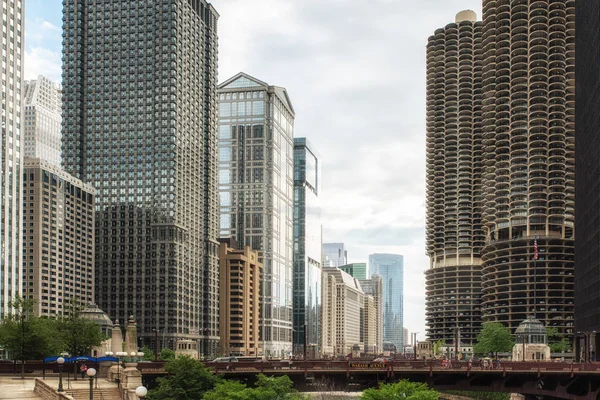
column 99, row 394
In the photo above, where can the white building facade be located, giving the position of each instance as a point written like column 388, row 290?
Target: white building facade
column 343, row 313
column 42, row 126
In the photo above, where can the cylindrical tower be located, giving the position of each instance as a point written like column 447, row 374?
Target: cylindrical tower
column 454, row 169
column 528, row 147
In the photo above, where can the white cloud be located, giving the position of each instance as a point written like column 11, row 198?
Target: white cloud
column 41, row 61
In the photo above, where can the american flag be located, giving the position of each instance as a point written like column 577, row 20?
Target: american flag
column 535, row 250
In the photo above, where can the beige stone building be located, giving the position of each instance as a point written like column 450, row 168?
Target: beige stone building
column 374, row 288
column 369, row 328
column 239, row 293
column 343, row 312
column 58, row 237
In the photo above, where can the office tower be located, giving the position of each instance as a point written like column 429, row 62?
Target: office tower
column 140, row 125
column 58, row 238
column 454, row 230
column 343, row 313
column 42, row 108
column 374, row 288
column 357, row 270
column 587, row 185
column 239, row 300
column 11, row 186
column 256, row 183
column 307, row 245
column 335, row 253
column 528, row 124
column 391, row 269
column 369, row 326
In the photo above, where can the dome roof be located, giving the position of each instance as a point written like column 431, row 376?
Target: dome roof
column 531, row 326
column 93, row 313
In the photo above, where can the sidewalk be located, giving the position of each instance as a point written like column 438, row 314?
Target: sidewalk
column 15, row 388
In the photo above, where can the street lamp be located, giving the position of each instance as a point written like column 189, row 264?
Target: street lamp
column 91, row 373
column 141, row 392
column 60, row 361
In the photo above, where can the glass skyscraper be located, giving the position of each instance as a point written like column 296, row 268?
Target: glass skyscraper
column 335, row 254
column 11, row 185
column 357, row 270
column 391, row 269
column 256, row 183
column 140, row 125
column 307, row 245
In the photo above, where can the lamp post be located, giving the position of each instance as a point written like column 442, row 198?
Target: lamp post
column 91, row 373
column 60, row 361
column 141, row 392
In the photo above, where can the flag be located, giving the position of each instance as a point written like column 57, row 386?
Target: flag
column 535, row 249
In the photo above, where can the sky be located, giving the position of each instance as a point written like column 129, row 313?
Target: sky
column 355, row 73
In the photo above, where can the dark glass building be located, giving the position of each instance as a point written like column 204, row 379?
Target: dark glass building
column 307, row 245
column 587, row 161
column 140, row 125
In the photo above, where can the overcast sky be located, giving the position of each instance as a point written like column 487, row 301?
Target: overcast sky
column 355, row 72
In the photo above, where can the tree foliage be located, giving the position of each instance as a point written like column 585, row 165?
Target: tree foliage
column 556, row 340
column 188, row 380
column 266, row 388
column 401, row 390
column 437, row 346
column 166, row 354
column 79, row 334
column 148, row 354
column 493, row 338
column 25, row 336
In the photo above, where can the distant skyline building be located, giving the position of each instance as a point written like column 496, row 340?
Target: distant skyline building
column 454, row 229
column 343, row 313
column 357, row 270
column 240, row 275
column 374, row 288
column 391, row 269
column 528, row 84
column 42, row 122
column 11, row 184
column 58, row 239
column 307, row 245
column 256, row 188
column 336, row 253
column 587, row 184
column 140, row 125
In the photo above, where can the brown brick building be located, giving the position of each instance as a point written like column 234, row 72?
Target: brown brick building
column 239, row 299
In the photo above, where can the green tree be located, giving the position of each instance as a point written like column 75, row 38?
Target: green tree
column 401, row 390
column 494, row 338
column 556, row 340
column 148, row 354
column 437, row 346
column 25, row 336
column 267, row 388
column 79, row 334
column 167, row 354
column 188, row 379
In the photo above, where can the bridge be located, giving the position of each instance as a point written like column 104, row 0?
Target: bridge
column 552, row 380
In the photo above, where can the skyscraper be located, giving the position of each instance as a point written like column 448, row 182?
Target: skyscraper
column 42, row 108
column 256, row 187
column 140, row 125
column 335, row 253
column 454, row 154
column 357, row 270
column 374, row 287
column 391, row 269
column 58, row 241
column 11, row 186
column 587, row 184
column 528, row 124
column 307, row 244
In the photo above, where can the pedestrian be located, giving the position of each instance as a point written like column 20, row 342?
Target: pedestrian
column 83, row 369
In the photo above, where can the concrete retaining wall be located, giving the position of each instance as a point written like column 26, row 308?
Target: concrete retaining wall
column 47, row 392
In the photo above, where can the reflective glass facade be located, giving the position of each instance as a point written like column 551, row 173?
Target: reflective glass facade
column 11, row 184
column 335, row 254
column 307, row 245
column 140, row 126
column 587, row 164
column 357, row 270
column 256, row 168
column 391, row 269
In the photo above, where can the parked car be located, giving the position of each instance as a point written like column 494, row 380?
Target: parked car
column 225, row 359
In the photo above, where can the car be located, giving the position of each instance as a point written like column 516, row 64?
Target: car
column 380, row 360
